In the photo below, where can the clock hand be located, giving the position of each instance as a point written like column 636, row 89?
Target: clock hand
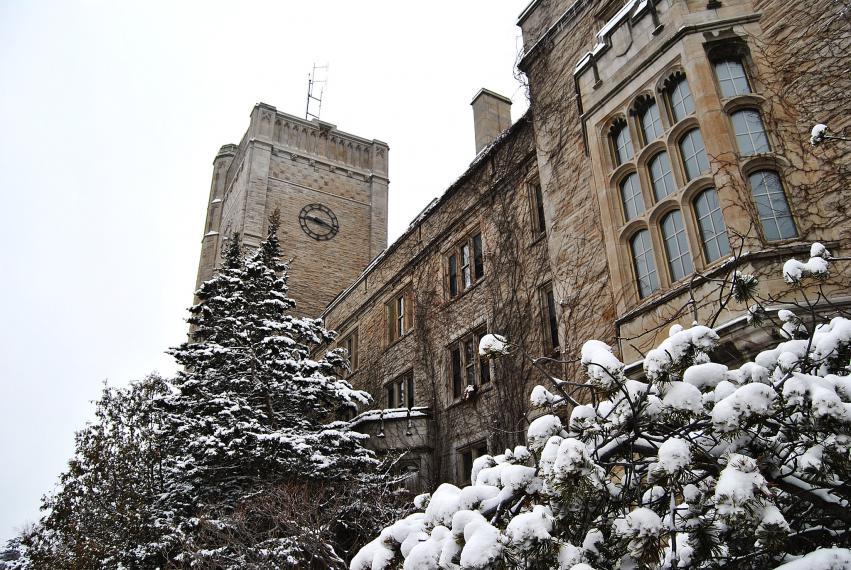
column 319, row 221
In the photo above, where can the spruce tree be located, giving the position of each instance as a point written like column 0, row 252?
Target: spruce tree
column 252, row 413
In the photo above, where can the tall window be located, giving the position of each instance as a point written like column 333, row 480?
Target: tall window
column 750, row 132
column 732, row 78
column 682, row 103
column 777, row 222
column 713, row 232
column 645, row 264
column 400, row 392
column 467, row 368
column 623, row 143
column 651, row 123
column 676, row 245
column 550, row 314
column 350, row 343
column 661, row 177
column 466, row 264
column 540, row 224
column 694, row 154
column 633, row 201
column 399, row 316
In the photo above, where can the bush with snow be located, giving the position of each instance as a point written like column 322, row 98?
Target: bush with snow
column 695, row 466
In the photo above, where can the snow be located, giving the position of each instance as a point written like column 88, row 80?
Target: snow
column 542, row 397
column 443, row 505
column 571, row 460
column 602, row 366
column 738, row 486
column 541, row 429
column 660, row 361
column 816, row 266
column 527, row 529
column 481, row 545
column 731, row 413
column 674, row 455
column 493, row 345
column 682, row 397
column 639, row 525
column 823, row 559
column 818, row 133
column 705, row 376
column 388, row 414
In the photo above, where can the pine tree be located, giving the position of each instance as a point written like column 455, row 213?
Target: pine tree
column 252, row 413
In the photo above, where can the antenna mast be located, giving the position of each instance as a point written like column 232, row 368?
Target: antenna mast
column 316, row 82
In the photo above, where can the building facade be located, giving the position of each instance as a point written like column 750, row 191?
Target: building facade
column 666, row 148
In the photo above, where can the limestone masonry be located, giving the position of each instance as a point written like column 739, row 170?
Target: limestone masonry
column 666, row 146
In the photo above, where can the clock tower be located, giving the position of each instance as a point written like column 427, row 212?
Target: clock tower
column 331, row 190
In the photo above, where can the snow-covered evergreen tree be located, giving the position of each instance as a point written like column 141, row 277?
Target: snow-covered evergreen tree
column 694, row 466
column 103, row 507
column 251, row 413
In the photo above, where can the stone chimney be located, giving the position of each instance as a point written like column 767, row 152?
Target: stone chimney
column 491, row 116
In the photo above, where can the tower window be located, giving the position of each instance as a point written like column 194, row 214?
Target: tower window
column 676, row 245
column 694, row 154
column 731, row 78
column 539, row 222
column 710, row 220
column 750, row 132
column 644, row 262
column 777, row 222
column 633, row 201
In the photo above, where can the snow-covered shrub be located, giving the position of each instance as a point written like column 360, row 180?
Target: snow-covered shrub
column 696, row 466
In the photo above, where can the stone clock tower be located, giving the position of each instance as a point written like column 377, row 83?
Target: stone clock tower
column 331, row 189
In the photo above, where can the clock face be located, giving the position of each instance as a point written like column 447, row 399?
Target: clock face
column 318, row 221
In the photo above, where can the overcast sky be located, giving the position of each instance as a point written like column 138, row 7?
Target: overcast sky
column 110, row 115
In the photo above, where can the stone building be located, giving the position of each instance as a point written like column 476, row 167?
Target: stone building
column 666, row 147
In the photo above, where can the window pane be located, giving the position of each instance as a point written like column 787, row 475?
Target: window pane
column 400, row 316
column 484, row 370
column 410, row 402
column 713, row 232
column 777, row 222
column 732, row 78
column 390, row 402
column 466, row 465
column 457, row 387
column 469, row 362
column 453, row 276
column 623, row 144
column 750, row 132
column 541, row 224
column 552, row 319
column 645, row 264
column 676, row 245
column 682, row 103
column 633, row 201
column 466, row 276
column 651, row 123
column 661, row 176
column 478, row 263
column 694, row 155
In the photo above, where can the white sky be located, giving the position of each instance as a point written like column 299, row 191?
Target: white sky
column 110, row 115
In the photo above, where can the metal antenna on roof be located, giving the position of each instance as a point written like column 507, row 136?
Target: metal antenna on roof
column 316, row 83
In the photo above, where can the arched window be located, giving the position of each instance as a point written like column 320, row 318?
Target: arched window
column 633, row 201
column 750, row 132
column 777, row 222
column 676, row 245
column 694, row 154
column 682, row 103
column 651, row 123
column 710, row 220
column 661, row 177
column 645, row 264
column 622, row 142
column 732, row 78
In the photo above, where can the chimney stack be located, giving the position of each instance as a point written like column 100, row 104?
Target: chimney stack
column 491, row 116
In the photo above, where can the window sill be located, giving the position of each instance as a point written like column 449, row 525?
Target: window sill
column 466, row 291
column 396, row 341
